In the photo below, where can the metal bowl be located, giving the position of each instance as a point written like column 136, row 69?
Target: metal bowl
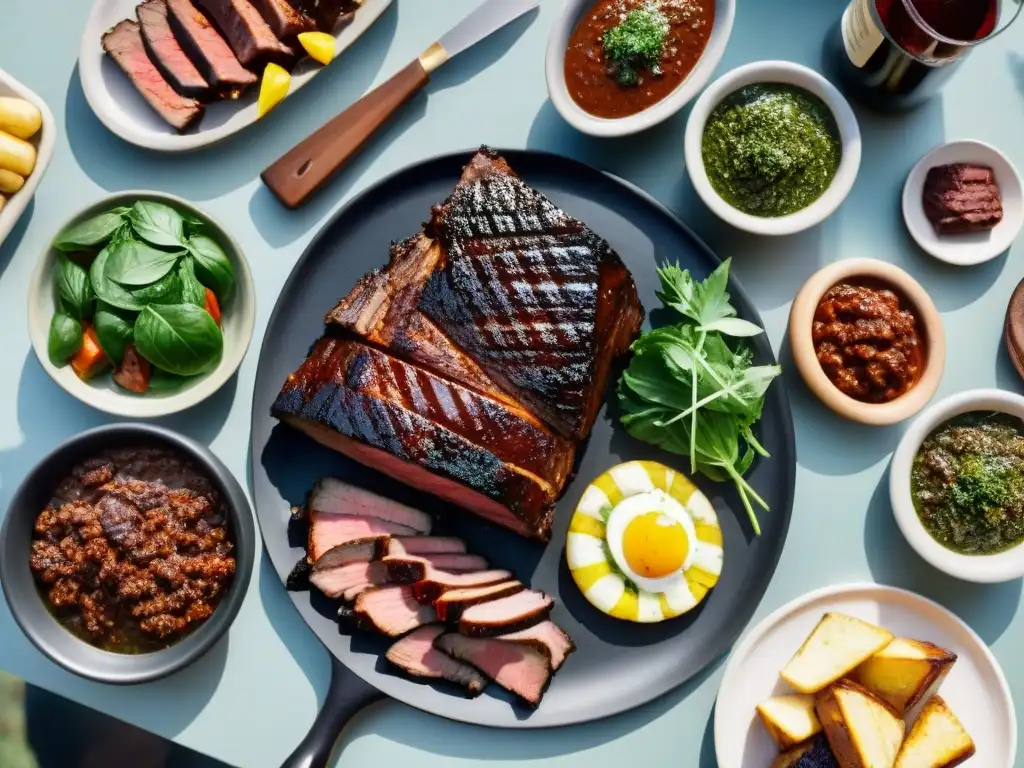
column 19, row 584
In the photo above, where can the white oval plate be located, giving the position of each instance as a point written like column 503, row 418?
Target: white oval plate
column 976, row 247
column 975, row 690
column 120, row 107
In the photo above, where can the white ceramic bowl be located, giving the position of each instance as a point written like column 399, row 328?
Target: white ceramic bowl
column 791, row 74
column 558, row 42
column 983, row 569
column 976, row 247
column 238, row 319
column 43, row 142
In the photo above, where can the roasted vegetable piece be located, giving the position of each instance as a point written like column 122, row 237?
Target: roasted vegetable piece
column 319, row 46
column 863, row 731
column 10, row 182
column 89, row 360
column 16, row 155
column 212, row 306
column 937, row 740
column 905, row 672
column 133, row 372
column 838, row 644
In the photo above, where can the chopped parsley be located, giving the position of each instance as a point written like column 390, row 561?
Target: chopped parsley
column 637, row 43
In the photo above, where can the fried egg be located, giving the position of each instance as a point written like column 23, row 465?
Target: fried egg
column 644, row 544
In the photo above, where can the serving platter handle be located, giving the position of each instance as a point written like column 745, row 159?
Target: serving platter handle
column 310, row 163
column 346, row 696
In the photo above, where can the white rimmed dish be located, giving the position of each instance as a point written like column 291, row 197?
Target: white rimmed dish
column 120, row 107
column 976, row 247
column 976, row 688
column 581, row 120
column 43, row 141
column 983, row 569
column 787, row 73
column 238, row 320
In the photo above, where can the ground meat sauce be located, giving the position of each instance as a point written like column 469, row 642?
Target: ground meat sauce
column 867, row 342
column 133, row 551
column 592, row 79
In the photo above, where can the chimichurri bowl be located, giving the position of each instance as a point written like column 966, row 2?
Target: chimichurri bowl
column 943, row 482
column 840, row 147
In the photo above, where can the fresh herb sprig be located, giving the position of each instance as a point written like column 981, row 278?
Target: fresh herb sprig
column 637, row 43
column 692, row 388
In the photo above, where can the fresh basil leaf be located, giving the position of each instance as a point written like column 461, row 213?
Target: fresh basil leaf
column 73, row 288
column 106, row 289
column 157, row 223
column 179, row 338
column 65, row 338
column 124, row 232
column 213, row 267
column 114, row 330
column 131, row 263
column 161, row 381
column 733, row 326
column 193, row 224
column 92, row 232
column 166, row 290
column 192, row 291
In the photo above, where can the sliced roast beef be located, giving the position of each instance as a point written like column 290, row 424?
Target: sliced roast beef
column 338, row 497
column 353, row 592
column 208, row 50
column 250, row 37
column 451, row 605
column 166, row 53
column 509, row 614
column 392, row 610
column 328, row 532
column 416, row 655
column 125, row 46
column 516, row 667
column 329, row 15
column 439, row 582
column 408, row 569
column 360, row 550
column 547, row 637
column 334, row 582
column 285, row 22
column 426, row 545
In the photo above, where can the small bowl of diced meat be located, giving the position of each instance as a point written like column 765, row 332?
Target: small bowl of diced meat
column 126, row 553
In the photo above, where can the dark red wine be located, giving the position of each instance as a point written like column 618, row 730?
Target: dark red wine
column 898, row 53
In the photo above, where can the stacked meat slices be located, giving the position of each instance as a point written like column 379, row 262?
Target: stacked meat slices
column 457, row 618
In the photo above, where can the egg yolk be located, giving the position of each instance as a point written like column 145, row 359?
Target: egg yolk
column 654, row 545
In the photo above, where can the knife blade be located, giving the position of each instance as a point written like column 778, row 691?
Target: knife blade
column 306, row 167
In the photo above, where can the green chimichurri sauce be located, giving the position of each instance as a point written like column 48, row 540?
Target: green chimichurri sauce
column 771, row 149
column 967, row 483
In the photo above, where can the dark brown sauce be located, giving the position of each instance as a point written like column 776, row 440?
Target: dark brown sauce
column 590, row 77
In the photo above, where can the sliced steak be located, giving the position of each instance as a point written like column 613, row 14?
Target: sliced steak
column 329, row 15
column 338, row 497
column 334, row 582
column 415, row 655
column 249, row 36
column 547, row 637
column 439, row 582
column 392, row 611
column 285, row 22
column 360, row 550
column 167, row 54
column 408, row 569
column 208, row 50
column 451, row 605
column 509, row 614
column 426, row 545
column 962, row 198
column 328, row 532
column 516, row 667
column 124, row 45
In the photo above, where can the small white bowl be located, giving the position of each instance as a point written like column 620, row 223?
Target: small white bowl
column 238, row 319
column 43, row 142
column 790, row 74
column 975, row 247
column 982, row 569
column 558, row 42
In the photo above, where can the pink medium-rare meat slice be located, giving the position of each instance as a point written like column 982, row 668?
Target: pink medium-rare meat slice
column 451, row 604
column 416, row 655
column 392, row 610
column 516, row 667
column 123, row 43
column 426, row 545
column 353, row 592
column 285, row 22
column 408, row 569
column 439, row 582
column 360, row 550
column 327, row 531
column 166, row 52
column 334, row 582
column 340, row 498
column 547, row 637
column 208, row 50
column 506, row 615
column 250, row 37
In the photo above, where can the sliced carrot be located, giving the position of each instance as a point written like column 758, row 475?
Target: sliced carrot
column 89, row 360
column 133, row 372
column 212, row 306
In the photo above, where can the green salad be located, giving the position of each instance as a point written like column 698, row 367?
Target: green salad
column 139, row 291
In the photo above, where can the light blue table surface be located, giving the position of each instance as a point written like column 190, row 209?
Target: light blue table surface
column 254, row 696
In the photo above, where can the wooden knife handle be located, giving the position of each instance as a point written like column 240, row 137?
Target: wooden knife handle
column 305, row 168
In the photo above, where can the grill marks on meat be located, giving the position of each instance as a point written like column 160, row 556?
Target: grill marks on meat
column 508, row 614
column 522, row 669
column 962, row 198
column 249, row 36
column 415, row 655
column 284, row 21
column 451, row 604
column 125, row 46
column 408, row 569
column 207, row 49
column 392, row 611
column 166, row 53
column 338, row 497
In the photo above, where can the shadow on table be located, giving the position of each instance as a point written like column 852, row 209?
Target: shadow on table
column 13, row 239
column 988, row 608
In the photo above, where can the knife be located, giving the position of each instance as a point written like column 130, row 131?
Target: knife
column 309, row 164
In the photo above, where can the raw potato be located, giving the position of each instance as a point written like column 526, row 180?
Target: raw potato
column 19, row 118
column 10, row 182
column 905, row 672
column 16, row 155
